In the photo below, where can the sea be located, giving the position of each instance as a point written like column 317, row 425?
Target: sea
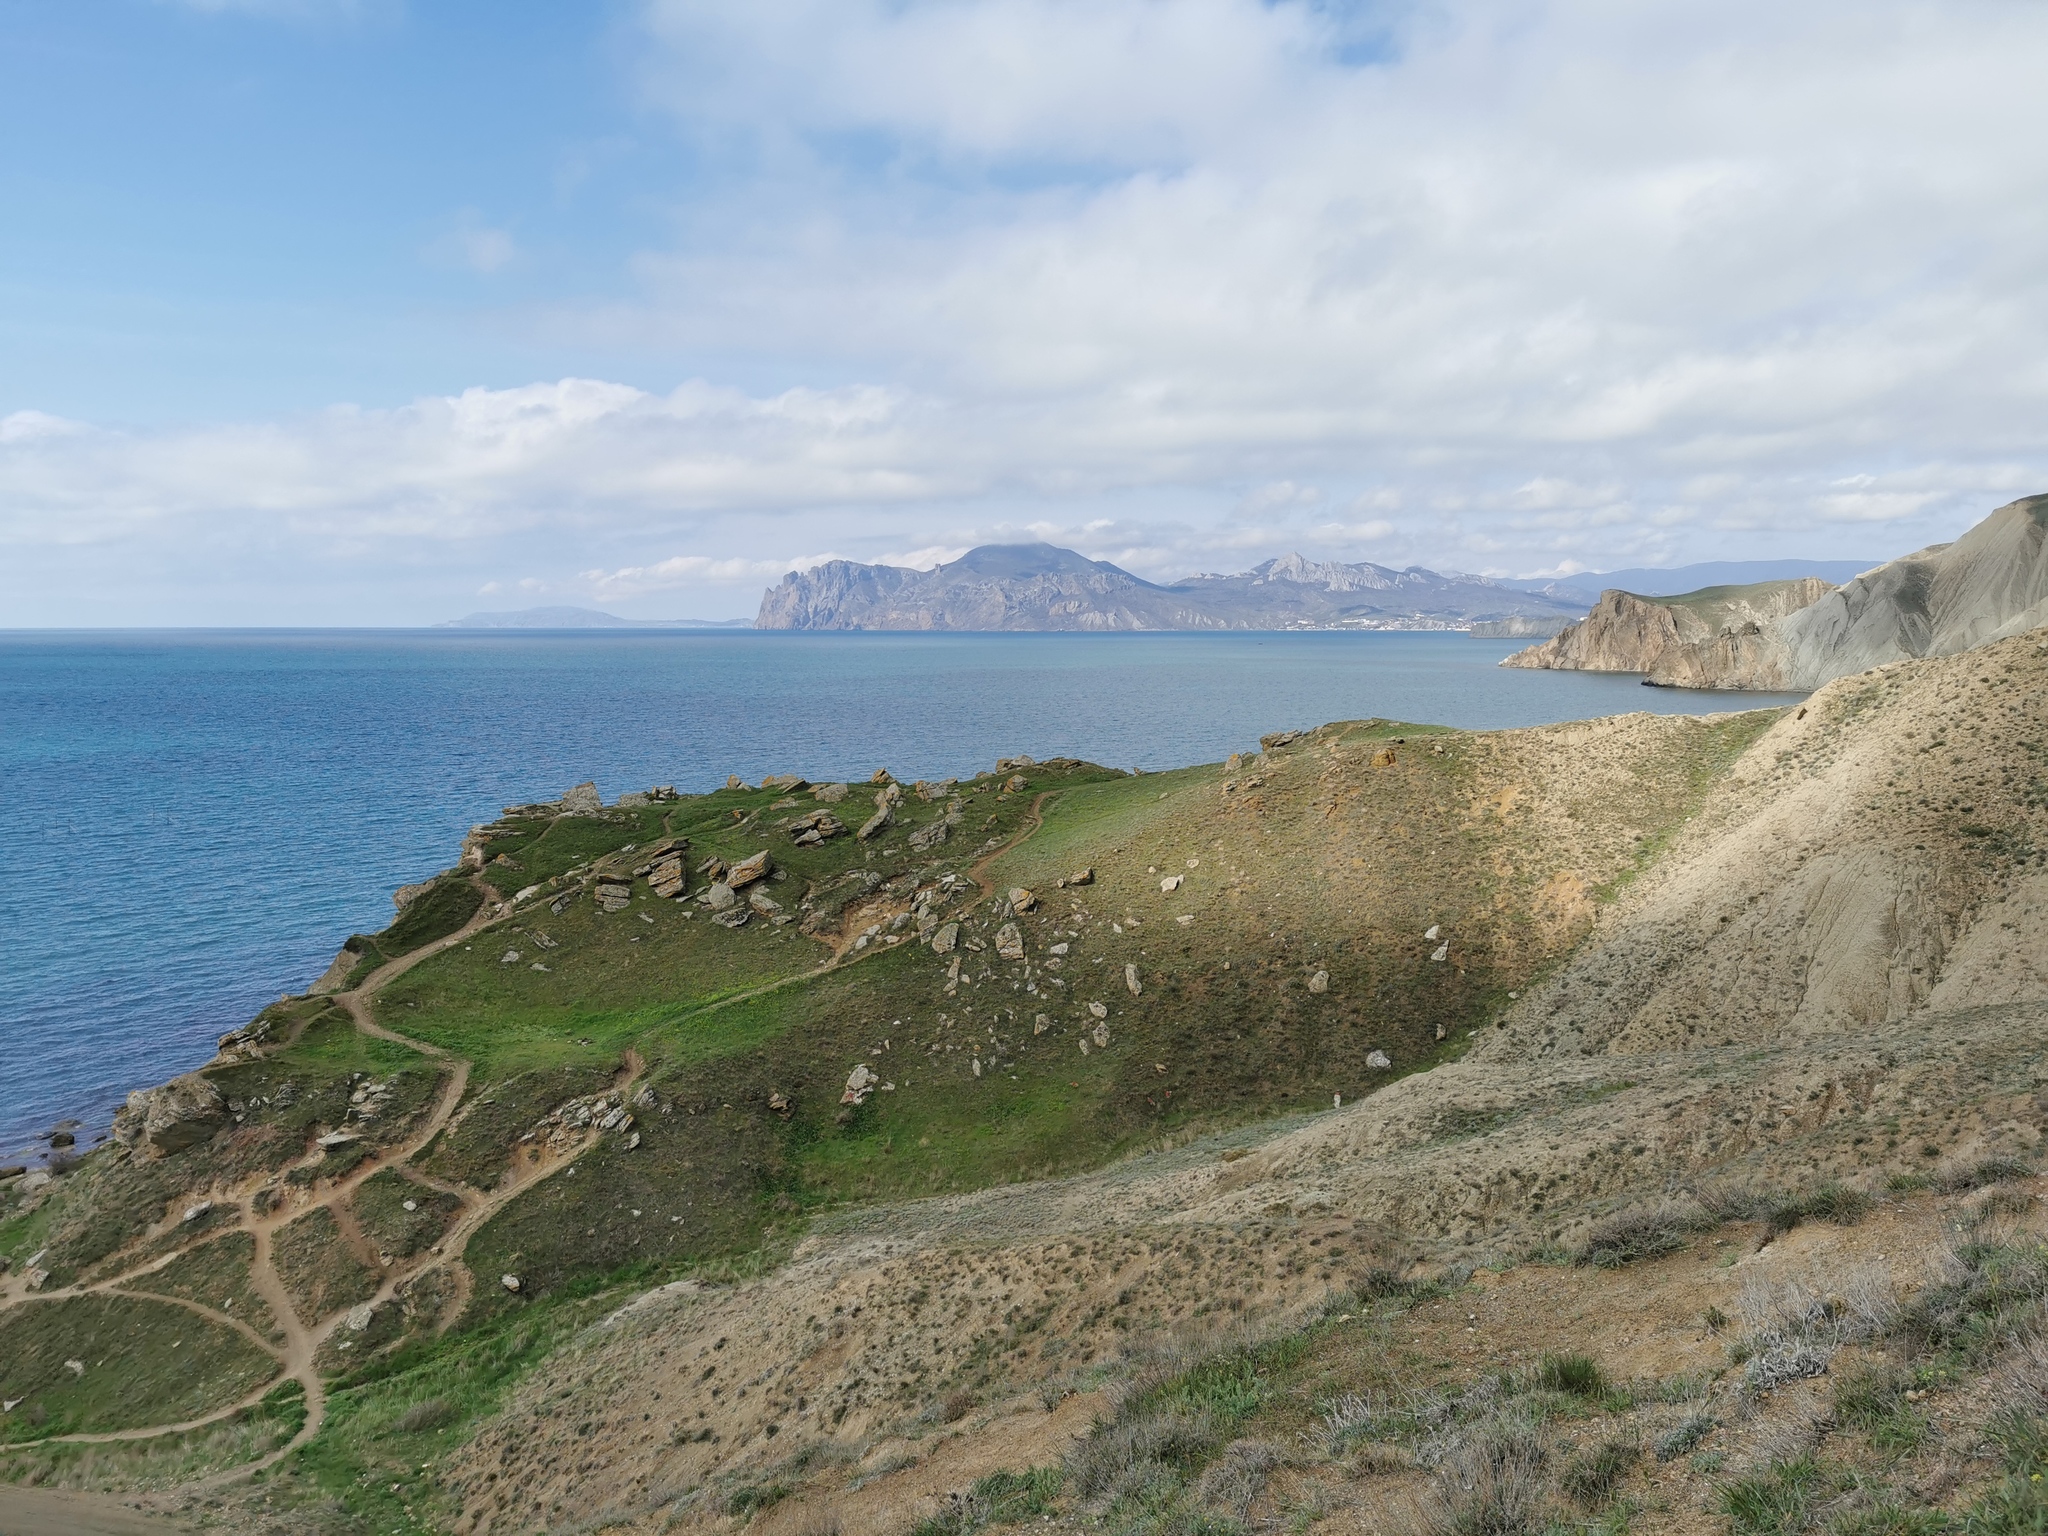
column 192, row 821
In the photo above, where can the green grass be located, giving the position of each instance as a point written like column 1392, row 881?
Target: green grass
column 144, row 1362
column 215, row 1274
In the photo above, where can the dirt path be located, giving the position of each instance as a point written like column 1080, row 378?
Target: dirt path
column 61, row 1512
column 302, row 1336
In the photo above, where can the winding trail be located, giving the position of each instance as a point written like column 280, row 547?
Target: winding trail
column 296, row 1350
column 300, row 1337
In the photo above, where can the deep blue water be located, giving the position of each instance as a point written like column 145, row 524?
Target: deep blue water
column 191, row 822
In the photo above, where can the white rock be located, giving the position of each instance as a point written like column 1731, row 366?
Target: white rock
column 1431, row 933
column 75, row 1367
column 1171, row 882
column 1131, row 980
column 1379, row 1061
column 194, row 1212
column 1441, row 950
column 1100, row 1010
column 359, row 1317
column 510, row 1282
column 1320, row 982
column 510, row 957
column 411, row 1205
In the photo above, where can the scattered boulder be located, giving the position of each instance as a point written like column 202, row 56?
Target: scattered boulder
column 881, row 776
column 661, row 792
column 1101, row 1035
column 1430, row 933
column 1171, row 884
column 1100, row 1010
column 1131, row 980
column 719, row 896
column 734, row 918
column 182, row 1113
column 583, row 800
column 1442, row 951
column 734, row 781
column 194, row 1212
column 859, row 1084
column 1016, row 783
column 781, row 1104
column 831, row 794
column 1010, row 942
column 875, row 823
column 946, row 938
column 930, row 789
column 1233, row 762
column 667, row 879
column 1379, row 1061
column 510, row 1282
column 1080, row 877
column 1041, row 1024
column 1320, row 982
column 63, row 1139
column 762, row 902
column 614, row 893
column 929, row 836
column 788, row 783
column 1280, row 739
column 713, row 867
column 1021, row 900
column 1005, row 764
column 747, row 871
column 1384, row 758
column 813, row 829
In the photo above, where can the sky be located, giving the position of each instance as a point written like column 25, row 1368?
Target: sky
column 386, row 311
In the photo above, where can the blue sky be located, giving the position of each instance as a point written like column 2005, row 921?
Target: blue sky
column 381, row 311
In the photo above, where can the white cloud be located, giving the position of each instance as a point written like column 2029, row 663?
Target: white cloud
column 1515, row 285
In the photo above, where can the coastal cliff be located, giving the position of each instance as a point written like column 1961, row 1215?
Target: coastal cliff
column 1797, row 635
column 1703, row 639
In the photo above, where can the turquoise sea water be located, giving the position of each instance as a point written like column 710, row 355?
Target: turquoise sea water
column 191, row 822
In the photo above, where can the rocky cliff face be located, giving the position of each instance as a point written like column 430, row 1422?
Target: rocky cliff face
column 1679, row 642
column 1990, row 583
column 1040, row 587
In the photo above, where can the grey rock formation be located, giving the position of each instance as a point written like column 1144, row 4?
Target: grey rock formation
column 1990, row 583
column 582, row 800
column 1041, row 587
column 182, row 1113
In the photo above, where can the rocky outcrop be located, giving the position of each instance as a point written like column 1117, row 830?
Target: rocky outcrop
column 1040, row 587
column 1947, row 598
column 182, row 1113
column 1679, row 641
column 1519, row 627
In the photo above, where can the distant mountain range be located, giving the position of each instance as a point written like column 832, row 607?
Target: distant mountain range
column 1671, row 581
column 1043, row 587
column 579, row 618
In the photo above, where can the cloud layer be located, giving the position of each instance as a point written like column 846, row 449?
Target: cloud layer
column 1489, row 286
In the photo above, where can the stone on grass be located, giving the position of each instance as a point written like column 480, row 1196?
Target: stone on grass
column 718, row 896
column 582, row 800
column 747, row 871
column 875, row 823
column 1010, row 942
column 1131, row 980
column 1080, row 877
column 1320, row 982
column 1171, row 883
column 1100, row 1010
column 182, row 1113
column 860, row 1082
column 831, row 794
column 946, row 938
column 1021, row 900
column 1379, row 1061
column 510, row 1282
column 1442, row 951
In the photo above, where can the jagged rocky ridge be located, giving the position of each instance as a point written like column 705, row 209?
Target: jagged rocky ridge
column 1991, row 583
column 1041, row 587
